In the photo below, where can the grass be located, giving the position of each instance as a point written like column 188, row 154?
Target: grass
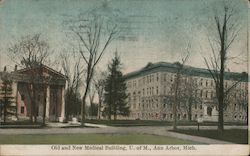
column 20, row 124
column 23, row 122
column 239, row 136
column 90, row 139
column 127, row 123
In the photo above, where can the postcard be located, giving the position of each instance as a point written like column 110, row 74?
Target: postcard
column 124, row 77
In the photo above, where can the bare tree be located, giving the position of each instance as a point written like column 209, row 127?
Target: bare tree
column 73, row 70
column 31, row 52
column 92, row 34
column 227, row 29
column 177, row 88
column 99, row 86
column 188, row 94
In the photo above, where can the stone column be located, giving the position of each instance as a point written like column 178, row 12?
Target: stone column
column 47, row 101
column 62, row 117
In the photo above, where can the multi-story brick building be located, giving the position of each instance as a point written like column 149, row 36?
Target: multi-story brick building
column 150, row 91
column 47, row 86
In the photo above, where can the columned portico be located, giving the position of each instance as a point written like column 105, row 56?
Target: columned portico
column 48, row 97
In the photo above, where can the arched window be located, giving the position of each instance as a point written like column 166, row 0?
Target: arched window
column 209, row 111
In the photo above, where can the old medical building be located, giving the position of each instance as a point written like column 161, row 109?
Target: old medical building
column 48, row 91
column 150, row 91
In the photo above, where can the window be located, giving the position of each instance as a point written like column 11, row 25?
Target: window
column 195, row 106
column 201, row 82
column 157, row 77
column 22, row 109
column 201, row 94
column 156, row 90
column 165, row 77
column 171, row 116
column 184, row 116
column 200, row 106
column 206, row 83
column 209, row 111
column 22, row 97
column 179, row 116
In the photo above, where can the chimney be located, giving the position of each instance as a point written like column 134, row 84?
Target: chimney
column 5, row 68
column 15, row 67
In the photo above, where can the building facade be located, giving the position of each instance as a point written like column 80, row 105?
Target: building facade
column 39, row 89
column 151, row 89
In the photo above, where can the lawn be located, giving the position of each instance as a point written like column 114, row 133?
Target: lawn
column 90, row 139
column 239, row 136
column 127, row 123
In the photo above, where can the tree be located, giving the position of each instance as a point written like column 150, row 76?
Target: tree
column 73, row 71
column 227, row 30
column 115, row 91
column 93, row 34
column 99, row 86
column 31, row 52
column 188, row 94
column 7, row 99
column 177, row 89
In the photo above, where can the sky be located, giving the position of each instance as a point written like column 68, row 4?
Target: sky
column 155, row 30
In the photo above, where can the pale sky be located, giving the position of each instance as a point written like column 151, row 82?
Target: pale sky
column 157, row 30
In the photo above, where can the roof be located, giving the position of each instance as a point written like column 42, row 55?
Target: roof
column 188, row 70
column 41, row 66
column 23, row 76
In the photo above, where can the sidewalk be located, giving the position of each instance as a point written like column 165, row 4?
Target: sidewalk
column 71, row 124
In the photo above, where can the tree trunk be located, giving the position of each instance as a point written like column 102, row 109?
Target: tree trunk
column 84, row 101
column 189, row 109
column 176, row 101
column 99, row 109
